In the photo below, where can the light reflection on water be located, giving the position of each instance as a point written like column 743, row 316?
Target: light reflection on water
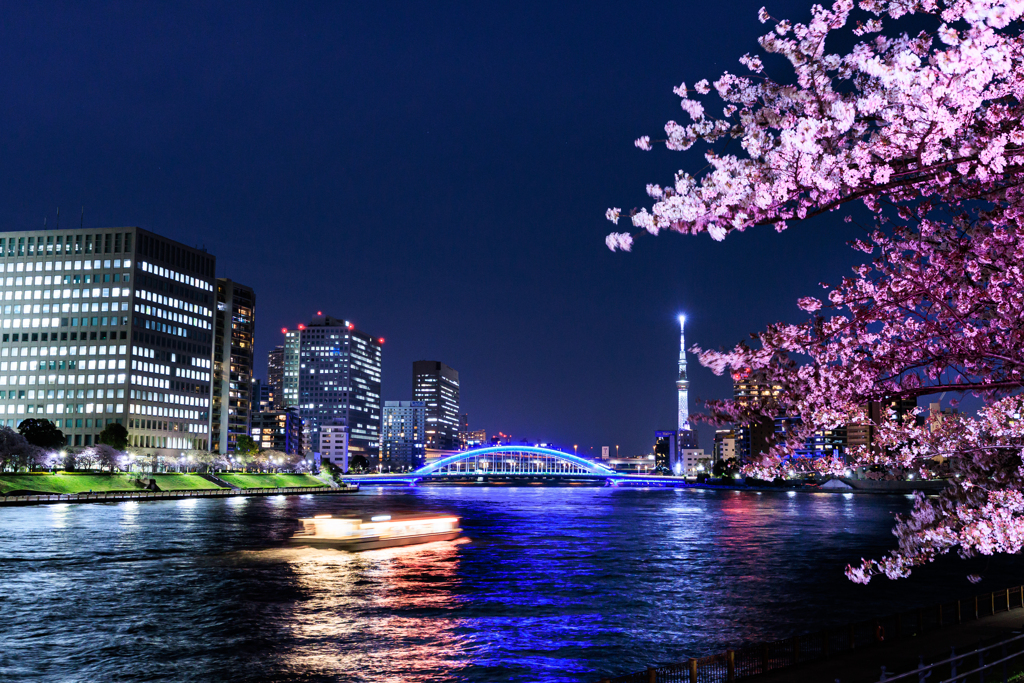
column 551, row 584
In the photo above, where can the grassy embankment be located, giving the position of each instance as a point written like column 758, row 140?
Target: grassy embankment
column 268, row 481
column 73, row 482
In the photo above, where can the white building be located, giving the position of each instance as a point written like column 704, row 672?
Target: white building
column 334, row 445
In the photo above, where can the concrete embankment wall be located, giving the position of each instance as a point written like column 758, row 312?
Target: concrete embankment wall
column 49, row 498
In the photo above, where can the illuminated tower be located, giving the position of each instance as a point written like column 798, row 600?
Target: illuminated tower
column 683, row 384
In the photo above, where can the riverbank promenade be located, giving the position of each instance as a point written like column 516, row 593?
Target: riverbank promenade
column 947, row 635
column 865, row 666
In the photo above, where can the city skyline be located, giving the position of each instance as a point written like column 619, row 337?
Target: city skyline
column 556, row 339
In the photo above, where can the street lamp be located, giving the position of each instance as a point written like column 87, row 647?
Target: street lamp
column 575, row 448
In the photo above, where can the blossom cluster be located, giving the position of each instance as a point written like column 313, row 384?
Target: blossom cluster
column 926, row 131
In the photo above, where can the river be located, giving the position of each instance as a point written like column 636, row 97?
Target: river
column 550, row 584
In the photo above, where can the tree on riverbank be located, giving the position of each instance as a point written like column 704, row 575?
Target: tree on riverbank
column 923, row 127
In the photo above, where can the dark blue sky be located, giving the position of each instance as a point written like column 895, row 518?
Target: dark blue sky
column 437, row 175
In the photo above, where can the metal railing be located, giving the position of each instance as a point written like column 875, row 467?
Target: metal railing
column 760, row 658
column 951, row 669
column 45, row 498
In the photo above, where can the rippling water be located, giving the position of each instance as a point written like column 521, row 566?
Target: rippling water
column 552, row 584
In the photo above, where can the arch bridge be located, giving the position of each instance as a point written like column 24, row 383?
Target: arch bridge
column 495, row 463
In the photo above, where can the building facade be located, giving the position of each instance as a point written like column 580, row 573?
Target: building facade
column 403, row 428
column 108, row 325
column 332, row 375
column 278, row 430
column 275, row 376
column 334, row 446
column 437, row 385
column 752, row 390
column 233, row 331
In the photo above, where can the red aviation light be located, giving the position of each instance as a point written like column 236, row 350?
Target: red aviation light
column 319, row 313
column 302, row 327
column 284, row 330
column 351, row 326
column 381, row 340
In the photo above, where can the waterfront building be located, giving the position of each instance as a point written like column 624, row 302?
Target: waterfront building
column 863, row 433
column 753, row 390
column 665, row 453
column 334, row 446
column 725, row 444
column 108, row 325
column 437, row 385
column 279, row 430
column 332, row 375
column 476, row 438
column 821, row 443
column 275, row 376
column 233, row 331
column 693, row 462
column 403, row 435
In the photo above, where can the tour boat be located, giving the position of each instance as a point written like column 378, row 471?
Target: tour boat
column 382, row 531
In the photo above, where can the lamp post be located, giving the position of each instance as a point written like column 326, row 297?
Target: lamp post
column 575, row 448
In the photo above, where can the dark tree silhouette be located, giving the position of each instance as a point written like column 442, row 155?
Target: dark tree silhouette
column 42, row 433
column 115, row 435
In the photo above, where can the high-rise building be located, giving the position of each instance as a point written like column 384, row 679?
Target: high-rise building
column 752, row 389
column 233, row 330
column 665, row 453
column 260, row 394
column 278, row 430
column 109, row 325
column 403, row 435
column 332, row 375
column 275, row 376
column 437, row 385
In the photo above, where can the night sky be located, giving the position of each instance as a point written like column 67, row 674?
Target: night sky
column 438, row 175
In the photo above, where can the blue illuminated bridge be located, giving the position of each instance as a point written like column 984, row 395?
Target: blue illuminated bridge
column 496, row 464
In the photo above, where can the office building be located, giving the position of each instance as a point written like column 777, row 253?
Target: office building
column 403, row 435
column 332, row 375
column 108, row 325
column 233, row 330
column 275, row 376
column 437, row 385
column 334, row 446
column 278, row 430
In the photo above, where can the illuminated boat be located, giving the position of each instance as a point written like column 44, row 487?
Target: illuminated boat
column 325, row 531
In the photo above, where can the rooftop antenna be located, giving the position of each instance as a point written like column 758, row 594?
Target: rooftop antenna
column 58, row 218
column 44, row 222
column 82, row 224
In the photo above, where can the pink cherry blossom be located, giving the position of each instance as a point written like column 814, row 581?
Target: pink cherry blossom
column 925, row 130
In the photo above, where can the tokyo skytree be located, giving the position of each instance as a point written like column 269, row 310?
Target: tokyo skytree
column 683, row 384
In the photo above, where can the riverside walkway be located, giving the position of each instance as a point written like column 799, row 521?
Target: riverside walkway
column 856, row 653
column 114, row 496
column 865, row 666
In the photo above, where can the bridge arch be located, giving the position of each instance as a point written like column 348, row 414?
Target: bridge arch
column 513, row 461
